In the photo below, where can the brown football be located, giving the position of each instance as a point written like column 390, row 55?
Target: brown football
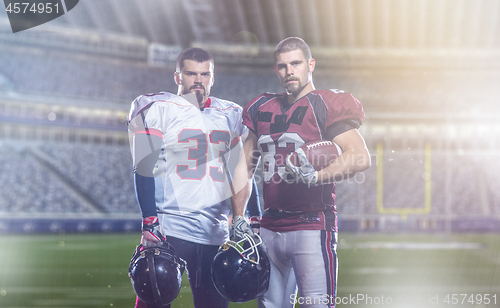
column 320, row 153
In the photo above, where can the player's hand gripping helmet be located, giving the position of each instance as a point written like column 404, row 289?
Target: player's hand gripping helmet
column 240, row 270
column 156, row 274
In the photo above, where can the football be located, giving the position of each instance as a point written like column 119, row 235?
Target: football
column 320, row 153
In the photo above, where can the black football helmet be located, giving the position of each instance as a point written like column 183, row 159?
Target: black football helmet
column 240, row 270
column 156, row 274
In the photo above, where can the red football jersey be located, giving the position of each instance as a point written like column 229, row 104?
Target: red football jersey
column 281, row 129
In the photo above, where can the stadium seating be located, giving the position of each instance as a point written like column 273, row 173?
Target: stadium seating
column 29, row 188
column 104, row 173
column 121, row 80
column 72, row 178
column 101, row 78
column 86, row 178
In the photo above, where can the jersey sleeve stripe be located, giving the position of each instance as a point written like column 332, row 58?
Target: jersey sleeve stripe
column 235, row 141
column 150, row 131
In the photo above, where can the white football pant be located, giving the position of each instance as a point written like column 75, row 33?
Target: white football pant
column 306, row 259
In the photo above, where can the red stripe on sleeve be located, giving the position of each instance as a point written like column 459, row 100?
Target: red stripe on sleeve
column 235, row 141
column 150, row 131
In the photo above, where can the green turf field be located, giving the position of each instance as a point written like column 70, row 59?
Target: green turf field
column 458, row 270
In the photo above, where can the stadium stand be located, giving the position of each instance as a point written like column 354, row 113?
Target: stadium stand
column 112, row 80
column 104, row 78
column 242, row 88
column 80, row 76
column 65, row 150
column 102, row 172
column 29, row 188
column 65, row 178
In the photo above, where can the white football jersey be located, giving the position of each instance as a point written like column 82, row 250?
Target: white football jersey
column 192, row 181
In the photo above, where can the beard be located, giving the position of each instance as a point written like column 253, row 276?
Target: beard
column 199, row 97
column 293, row 88
column 199, row 92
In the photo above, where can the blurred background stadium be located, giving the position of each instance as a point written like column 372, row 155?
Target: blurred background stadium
column 427, row 73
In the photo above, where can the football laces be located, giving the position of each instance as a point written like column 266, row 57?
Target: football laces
column 319, row 144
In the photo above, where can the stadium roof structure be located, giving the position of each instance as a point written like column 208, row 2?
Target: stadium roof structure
column 410, row 53
column 341, row 24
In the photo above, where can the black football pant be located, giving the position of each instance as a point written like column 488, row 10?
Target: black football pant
column 199, row 261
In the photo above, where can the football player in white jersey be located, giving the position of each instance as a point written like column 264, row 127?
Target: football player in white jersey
column 180, row 146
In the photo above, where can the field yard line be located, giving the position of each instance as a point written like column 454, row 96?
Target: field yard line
column 62, row 271
column 77, row 290
column 413, row 246
column 418, row 289
column 49, row 290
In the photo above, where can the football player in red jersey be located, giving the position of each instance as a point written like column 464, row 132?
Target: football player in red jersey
column 299, row 224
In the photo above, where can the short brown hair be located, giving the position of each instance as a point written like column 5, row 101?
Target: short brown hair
column 196, row 54
column 292, row 43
